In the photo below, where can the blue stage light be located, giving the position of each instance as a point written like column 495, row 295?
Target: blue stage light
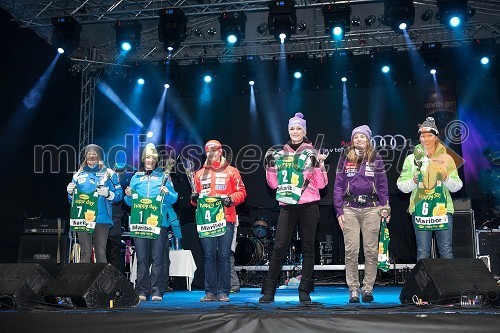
column 207, row 78
column 231, row 39
column 455, row 21
column 385, row 69
column 485, row 60
column 433, row 71
column 150, row 134
column 338, row 31
column 126, row 46
column 140, row 81
column 166, row 85
column 343, row 79
column 251, row 82
column 297, row 75
column 60, row 50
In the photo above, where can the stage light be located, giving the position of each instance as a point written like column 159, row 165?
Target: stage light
column 207, row 78
column 433, row 71
column 198, row 32
column 251, row 82
column 427, row 15
column 337, row 19
column 150, row 134
column 453, row 13
column 140, row 81
column 342, row 63
column 302, row 26
column 397, row 12
column 211, row 32
column 166, row 85
column 431, row 53
column 128, row 34
column 251, row 67
column 262, row 28
column 370, row 20
column 65, row 33
column 402, row 26
column 297, row 75
column 385, row 69
column 232, row 26
column 60, row 50
column 343, row 79
column 172, row 28
column 485, row 60
column 356, row 21
column 282, row 19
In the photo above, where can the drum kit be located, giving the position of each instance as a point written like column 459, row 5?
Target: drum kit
column 257, row 248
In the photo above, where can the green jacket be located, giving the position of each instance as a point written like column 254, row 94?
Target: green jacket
column 453, row 183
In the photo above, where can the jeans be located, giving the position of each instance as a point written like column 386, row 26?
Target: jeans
column 307, row 215
column 217, row 251
column 150, row 254
column 100, row 238
column 367, row 221
column 443, row 240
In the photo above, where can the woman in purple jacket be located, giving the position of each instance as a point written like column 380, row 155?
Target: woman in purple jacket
column 360, row 197
column 297, row 173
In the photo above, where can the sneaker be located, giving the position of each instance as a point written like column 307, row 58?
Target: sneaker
column 353, row 296
column 208, row 298
column 223, row 298
column 142, row 298
column 156, row 298
column 367, row 296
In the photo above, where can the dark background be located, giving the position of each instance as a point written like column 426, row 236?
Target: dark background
column 194, row 115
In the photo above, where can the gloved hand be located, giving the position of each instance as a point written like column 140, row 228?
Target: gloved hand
column 194, row 197
column 71, row 188
column 312, row 159
column 227, row 202
column 103, row 191
column 269, row 158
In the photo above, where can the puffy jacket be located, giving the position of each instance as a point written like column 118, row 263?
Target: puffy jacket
column 224, row 181
column 87, row 181
column 317, row 177
column 453, row 183
column 149, row 186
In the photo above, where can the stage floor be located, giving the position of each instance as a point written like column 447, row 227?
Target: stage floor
column 181, row 311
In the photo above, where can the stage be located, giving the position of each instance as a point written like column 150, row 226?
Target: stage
column 181, row 311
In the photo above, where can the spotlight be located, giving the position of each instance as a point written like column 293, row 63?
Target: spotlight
column 427, row 15
column 250, row 69
column 485, row 60
column 385, row 69
column 431, row 53
column 370, row 20
column 207, row 78
column 483, row 49
column 232, row 26
column 402, row 26
column 383, row 57
column 356, row 21
column 297, row 75
column 150, row 134
column 282, row 19
column 128, row 34
column 397, row 12
column 381, row 19
column 60, row 50
column 166, row 85
column 66, row 33
column 302, row 26
column 453, row 13
column 337, row 19
column 198, row 32
column 262, row 28
column 343, row 79
column 433, row 71
column 172, row 28
column 141, row 81
column 251, row 82
column 211, row 32
column 297, row 64
column 75, row 69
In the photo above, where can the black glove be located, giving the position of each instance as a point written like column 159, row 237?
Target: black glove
column 269, row 158
column 194, row 197
column 227, row 202
column 313, row 158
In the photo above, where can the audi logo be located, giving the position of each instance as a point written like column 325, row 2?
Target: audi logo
column 394, row 142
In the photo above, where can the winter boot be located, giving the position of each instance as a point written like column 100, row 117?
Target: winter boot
column 305, row 288
column 268, row 291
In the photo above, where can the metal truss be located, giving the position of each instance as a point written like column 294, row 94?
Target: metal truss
column 97, row 17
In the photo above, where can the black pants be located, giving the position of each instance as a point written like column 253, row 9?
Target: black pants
column 307, row 215
column 114, row 252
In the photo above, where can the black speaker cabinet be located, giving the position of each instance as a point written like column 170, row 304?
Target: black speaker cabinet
column 443, row 281
column 463, row 234
column 48, row 250
column 488, row 243
column 21, row 284
column 91, row 286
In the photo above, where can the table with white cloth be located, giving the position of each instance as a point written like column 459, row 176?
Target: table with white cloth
column 181, row 264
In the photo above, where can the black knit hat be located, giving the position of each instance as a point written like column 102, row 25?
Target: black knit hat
column 429, row 125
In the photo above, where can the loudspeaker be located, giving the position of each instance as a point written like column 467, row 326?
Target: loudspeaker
column 445, row 280
column 91, row 286
column 21, row 284
column 47, row 250
column 463, row 235
column 488, row 243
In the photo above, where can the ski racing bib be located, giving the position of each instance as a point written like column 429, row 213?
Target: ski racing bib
column 83, row 211
column 383, row 247
column 210, row 217
column 146, row 216
column 430, row 207
column 290, row 169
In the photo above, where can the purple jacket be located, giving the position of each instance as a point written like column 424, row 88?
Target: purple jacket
column 318, row 178
column 366, row 178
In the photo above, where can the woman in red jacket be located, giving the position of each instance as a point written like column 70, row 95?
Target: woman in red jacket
column 219, row 189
